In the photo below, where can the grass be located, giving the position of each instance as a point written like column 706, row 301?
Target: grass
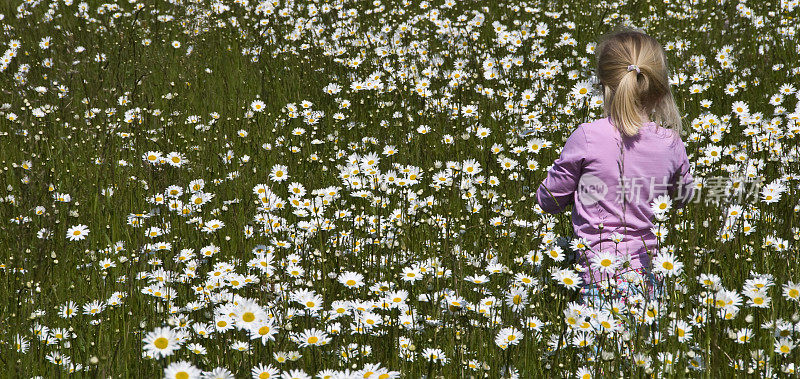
column 74, row 152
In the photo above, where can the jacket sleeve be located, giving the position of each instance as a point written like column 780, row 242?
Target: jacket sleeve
column 558, row 188
column 683, row 182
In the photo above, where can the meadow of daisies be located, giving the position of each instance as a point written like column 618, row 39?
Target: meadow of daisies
column 342, row 189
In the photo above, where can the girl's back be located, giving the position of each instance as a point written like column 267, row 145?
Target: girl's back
column 597, row 168
column 640, row 168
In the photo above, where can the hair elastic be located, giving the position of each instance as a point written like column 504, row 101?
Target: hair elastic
column 634, row 67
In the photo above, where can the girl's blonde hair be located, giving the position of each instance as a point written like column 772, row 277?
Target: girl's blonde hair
column 626, row 93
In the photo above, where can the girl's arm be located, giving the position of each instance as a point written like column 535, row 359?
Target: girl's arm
column 558, row 188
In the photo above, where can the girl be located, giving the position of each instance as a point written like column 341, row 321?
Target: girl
column 611, row 169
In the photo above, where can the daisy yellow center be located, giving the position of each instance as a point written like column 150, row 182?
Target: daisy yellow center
column 667, row 265
column 512, row 337
column 605, row 262
column 351, row 282
column 663, row 205
column 77, row 232
column 793, row 293
column 313, row 339
column 248, row 317
column 263, row 330
column 784, row 349
column 182, row 375
column 161, row 343
column 264, row 375
column 568, row 281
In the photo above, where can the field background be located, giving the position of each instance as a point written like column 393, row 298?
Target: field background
column 132, row 77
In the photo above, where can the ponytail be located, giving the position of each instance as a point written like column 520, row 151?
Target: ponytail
column 624, row 105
